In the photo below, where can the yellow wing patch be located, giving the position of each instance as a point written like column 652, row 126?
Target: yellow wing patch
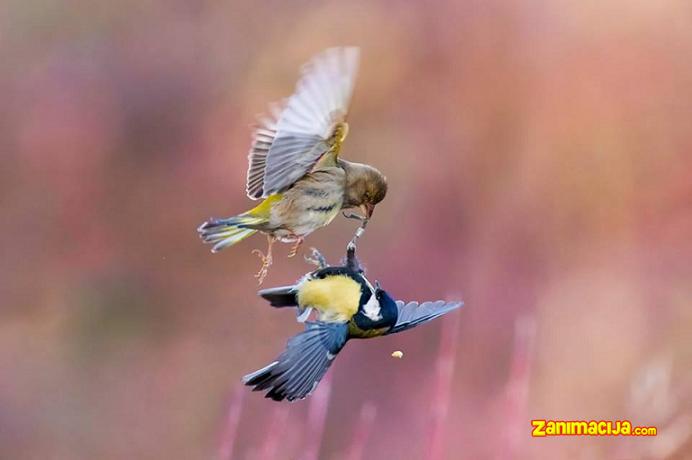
column 336, row 298
column 338, row 136
column 334, row 141
column 264, row 208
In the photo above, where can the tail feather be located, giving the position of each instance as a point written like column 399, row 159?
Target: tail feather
column 284, row 296
column 223, row 233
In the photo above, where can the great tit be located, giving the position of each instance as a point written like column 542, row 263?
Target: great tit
column 348, row 306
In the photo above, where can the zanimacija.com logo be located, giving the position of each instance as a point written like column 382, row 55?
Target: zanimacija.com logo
column 542, row 428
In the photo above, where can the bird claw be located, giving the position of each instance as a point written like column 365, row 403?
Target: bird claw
column 303, row 314
column 264, row 269
column 351, row 259
column 294, row 249
column 316, row 258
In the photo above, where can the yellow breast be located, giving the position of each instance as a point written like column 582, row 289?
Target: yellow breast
column 336, row 297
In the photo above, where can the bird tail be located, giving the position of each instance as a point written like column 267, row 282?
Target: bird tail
column 223, row 233
column 284, row 296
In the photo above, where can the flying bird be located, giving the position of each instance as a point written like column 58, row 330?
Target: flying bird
column 295, row 167
column 348, row 306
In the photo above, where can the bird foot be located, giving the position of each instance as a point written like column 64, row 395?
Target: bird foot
column 266, row 263
column 302, row 314
column 294, row 249
column 316, row 258
column 351, row 259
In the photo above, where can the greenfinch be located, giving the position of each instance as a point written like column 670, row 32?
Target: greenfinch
column 348, row 307
column 295, row 167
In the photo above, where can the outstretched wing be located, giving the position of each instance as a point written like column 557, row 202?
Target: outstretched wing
column 292, row 138
column 298, row 370
column 412, row 314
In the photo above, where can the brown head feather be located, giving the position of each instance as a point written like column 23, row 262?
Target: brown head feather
column 365, row 185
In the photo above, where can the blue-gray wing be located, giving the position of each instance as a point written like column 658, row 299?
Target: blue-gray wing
column 298, row 370
column 289, row 141
column 412, row 314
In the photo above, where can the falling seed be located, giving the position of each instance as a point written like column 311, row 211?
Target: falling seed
column 397, row 354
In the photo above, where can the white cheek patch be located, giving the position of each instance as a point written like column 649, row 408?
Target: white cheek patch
column 372, row 309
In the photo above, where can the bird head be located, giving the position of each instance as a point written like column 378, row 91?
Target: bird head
column 384, row 299
column 365, row 187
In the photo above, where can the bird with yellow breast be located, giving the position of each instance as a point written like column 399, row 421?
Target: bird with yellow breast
column 348, row 306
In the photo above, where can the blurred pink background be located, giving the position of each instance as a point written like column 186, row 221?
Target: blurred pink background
column 538, row 156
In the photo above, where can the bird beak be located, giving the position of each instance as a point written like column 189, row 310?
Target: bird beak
column 367, row 209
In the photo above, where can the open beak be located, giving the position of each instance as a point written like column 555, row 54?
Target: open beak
column 367, row 209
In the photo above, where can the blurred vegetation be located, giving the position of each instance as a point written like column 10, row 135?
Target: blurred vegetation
column 538, row 156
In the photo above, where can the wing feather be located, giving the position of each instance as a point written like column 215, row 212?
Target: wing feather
column 293, row 137
column 412, row 314
column 298, row 370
